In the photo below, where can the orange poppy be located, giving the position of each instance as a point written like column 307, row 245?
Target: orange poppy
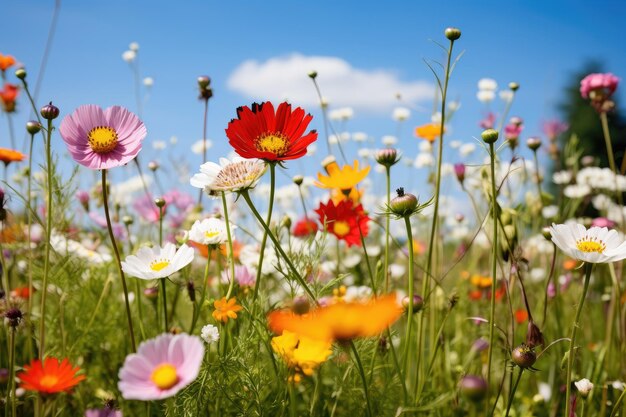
column 6, row 62
column 521, row 315
column 8, row 95
column 9, row 155
column 340, row 321
column 429, row 131
column 50, row 376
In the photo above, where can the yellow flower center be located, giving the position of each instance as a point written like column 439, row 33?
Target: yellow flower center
column 159, row 264
column 275, row 143
column 211, row 234
column 48, row 381
column 590, row 244
column 164, row 376
column 102, row 139
column 341, row 228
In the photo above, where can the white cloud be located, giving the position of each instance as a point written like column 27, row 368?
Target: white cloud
column 286, row 77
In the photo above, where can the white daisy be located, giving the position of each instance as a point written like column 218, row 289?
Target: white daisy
column 210, row 231
column 400, row 114
column 157, row 262
column 240, row 173
column 596, row 245
column 210, row 334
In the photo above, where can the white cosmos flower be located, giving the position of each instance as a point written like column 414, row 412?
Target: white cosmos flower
column 359, row 136
column 562, row 177
column 210, row 334
column 400, row 114
column 577, row 191
column 240, row 173
column 210, row 231
column 157, row 262
column 488, row 84
column 148, row 81
column 389, row 140
column 129, row 56
column 485, row 96
column 596, row 245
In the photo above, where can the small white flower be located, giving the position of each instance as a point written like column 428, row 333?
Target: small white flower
column 200, row 146
column 584, row 386
column 485, row 96
column 359, row 136
column 229, row 175
column 596, row 245
column 562, row 177
column 389, row 140
column 134, row 46
column 129, row 56
column 424, row 160
column 148, row 81
column 210, row 231
column 576, row 191
column 506, row 95
column 400, row 114
column 173, row 140
column 549, row 212
column 467, row 149
column 488, row 84
column 210, row 334
column 157, row 262
column 159, row 145
column 425, row 146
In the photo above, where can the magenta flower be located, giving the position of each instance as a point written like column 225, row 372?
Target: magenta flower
column 488, row 122
column 103, row 412
column 161, row 367
column 243, row 276
column 102, row 139
column 553, row 128
column 598, row 86
column 603, row 222
column 514, row 128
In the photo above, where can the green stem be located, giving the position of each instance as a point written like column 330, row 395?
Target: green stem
column 105, row 198
column 609, row 150
column 164, row 300
column 359, row 366
column 386, row 264
column 538, row 178
column 292, row 400
column 29, row 220
column 367, row 260
column 494, row 264
column 46, row 265
column 11, row 383
column 572, row 342
column 301, row 281
column 512, row 395
column 259, row 273
column 396, row 364
column 409, row 314
column 231, row 258
column 203, row 293
column 617, row 404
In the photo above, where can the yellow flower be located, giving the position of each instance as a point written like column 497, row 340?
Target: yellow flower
column 225, row 309
column 301, row 353
column 345, row 178
column 429, row 131
column 338, row 196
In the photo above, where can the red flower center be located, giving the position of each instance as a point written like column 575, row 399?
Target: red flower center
column 275, row 143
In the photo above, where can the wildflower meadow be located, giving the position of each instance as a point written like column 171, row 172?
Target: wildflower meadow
column 311, row 269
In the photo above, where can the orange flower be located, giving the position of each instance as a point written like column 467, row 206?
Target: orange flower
column 340, row 321
column 225, row 309
column 480, row 281
column 429, row 131
column 20, row 292
column 570, row 264
column 6, row 62
column 521, row 315
column 9, row 155
column 49, row 377
column 8, row 95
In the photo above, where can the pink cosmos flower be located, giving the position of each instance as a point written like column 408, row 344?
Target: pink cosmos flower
column 161, row 367
column 243, row 276
column 553, row 128
column 102, row 139
column 605, row 84
column 488, row 122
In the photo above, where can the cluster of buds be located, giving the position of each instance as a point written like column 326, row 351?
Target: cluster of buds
column 204, row 85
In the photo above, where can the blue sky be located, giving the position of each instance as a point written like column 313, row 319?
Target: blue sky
column 537, row 44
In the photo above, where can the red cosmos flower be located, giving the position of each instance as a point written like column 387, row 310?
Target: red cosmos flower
column 305, row 227
column 50, row 376
column 273, row 136
column 8, row 95
column 344, row 220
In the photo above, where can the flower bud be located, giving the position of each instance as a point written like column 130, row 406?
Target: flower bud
column 49, row 111
column 452, row 33
column 418, row 303
column 159, row 202
column 312, row 75
column 387, row 157
column 191, row 291
column 153, row 165
column 524, row 356
column 298, row 179
column 489, row 135
column 300, row 305
column 403, row 204
column 13, row 316
column 286, row 222
column 545, row 231
column 203, row 81
column 533, row 143
column 459, row 170
column 473, row 387
column 513, row 86
column 33, row 127
column 20, row 73
column 151, row 293
column 127, row 220
column 4, row 376
column 584, row 386
column 534, row 337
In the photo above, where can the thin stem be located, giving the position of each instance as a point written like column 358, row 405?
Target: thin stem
column 367, row 259
column 164, row 300
column 204, row 123
column 301, row 281
column 11, row 382
column 257, row 284
column 231, row 258
column 359, row 366
column 386, row 264
column 11, row 130
column 29, row 220
column 327, row 124
column 617, row 404
column 105, row 198
column 46, row 265
column 609, row 150
column 538, row 177
column 512, row 394
column 410, row 291
column 494, row 264
column 572, row 342
column 203, row 293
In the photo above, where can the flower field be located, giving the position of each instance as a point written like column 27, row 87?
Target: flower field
column 245, row 286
